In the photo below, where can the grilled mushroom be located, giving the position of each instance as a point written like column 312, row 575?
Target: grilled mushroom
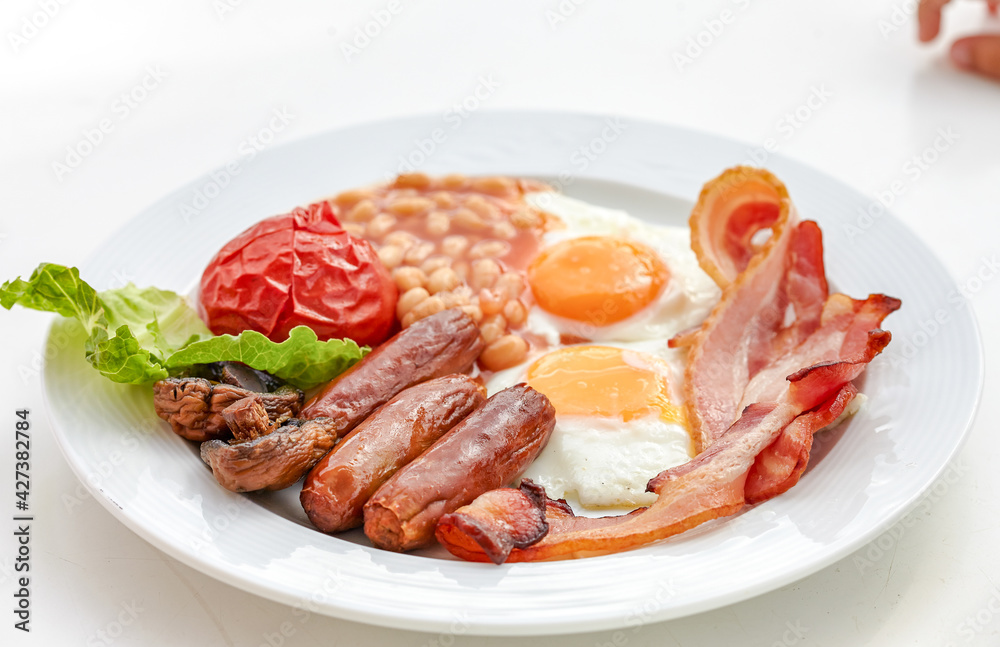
column 194, row 405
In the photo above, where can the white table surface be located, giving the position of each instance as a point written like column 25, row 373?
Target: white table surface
column 227, row 64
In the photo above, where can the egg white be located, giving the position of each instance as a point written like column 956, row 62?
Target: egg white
column 602, row 462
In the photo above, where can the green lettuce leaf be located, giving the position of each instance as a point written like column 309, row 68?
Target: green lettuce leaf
column 301, row 360
column 129, row 330
column 123, row 359
column 54, row 288
column 162, row 321
column 140, row 335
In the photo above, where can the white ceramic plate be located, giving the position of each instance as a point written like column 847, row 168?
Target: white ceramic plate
column 923, row 392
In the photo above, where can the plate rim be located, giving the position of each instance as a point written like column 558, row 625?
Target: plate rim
column 540, row 627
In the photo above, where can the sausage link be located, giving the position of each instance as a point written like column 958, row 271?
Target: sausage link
column 441, row 344
column 445, row 343
column 483, row 452
column 338, row 487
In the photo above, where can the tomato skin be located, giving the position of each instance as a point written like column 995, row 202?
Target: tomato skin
column 299, row 268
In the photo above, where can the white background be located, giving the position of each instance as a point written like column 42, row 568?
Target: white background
column 226, row 68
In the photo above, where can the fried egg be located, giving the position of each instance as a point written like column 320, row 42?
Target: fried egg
column 608, row 276
column 619, row 420
column 625, row 287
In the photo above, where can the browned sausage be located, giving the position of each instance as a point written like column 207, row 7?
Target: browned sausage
column 444, row 343
column 341, row 483
column 483, row 452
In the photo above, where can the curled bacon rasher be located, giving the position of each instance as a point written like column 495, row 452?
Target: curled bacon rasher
column 772, row 364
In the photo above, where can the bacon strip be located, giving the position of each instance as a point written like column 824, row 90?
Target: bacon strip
column 730, row 212
column 736, row 339
column 770, row 366
column 500, row 520
column 780, row 465
column 842, row 332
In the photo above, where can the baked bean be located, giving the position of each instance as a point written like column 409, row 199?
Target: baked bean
column 490, row 333
column 464, row 292
column 354, row 229
column 427, row 307
column 514, row 312
column 454, row 181
column 380, row 225
column 412, row 181
column 447, row 242
column 525, row 218
column 485, row 273
column 504, row 230
column 435, row 263
column 407, row 207
column 418, row 253
column 511, row 284
column 454, row 245
column 402, row 239
column 438, row 223
column 491, row 301
column 500, row 186
column 362, row 212
column 445, row 200
column 504, row 352
column 492, row 327
column 469, row 219
column 391, row 256
column 495, row 320
column 409, row 300
column 462, row 269
column 348, row 199
column 441, row 280
column 448, row 299
column 453, row 299
column 489, row 249
column 482, row 208
column 407, row 278
column 473, row 311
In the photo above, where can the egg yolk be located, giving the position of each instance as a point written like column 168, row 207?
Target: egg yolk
column 601, row 381
column 596, row 279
